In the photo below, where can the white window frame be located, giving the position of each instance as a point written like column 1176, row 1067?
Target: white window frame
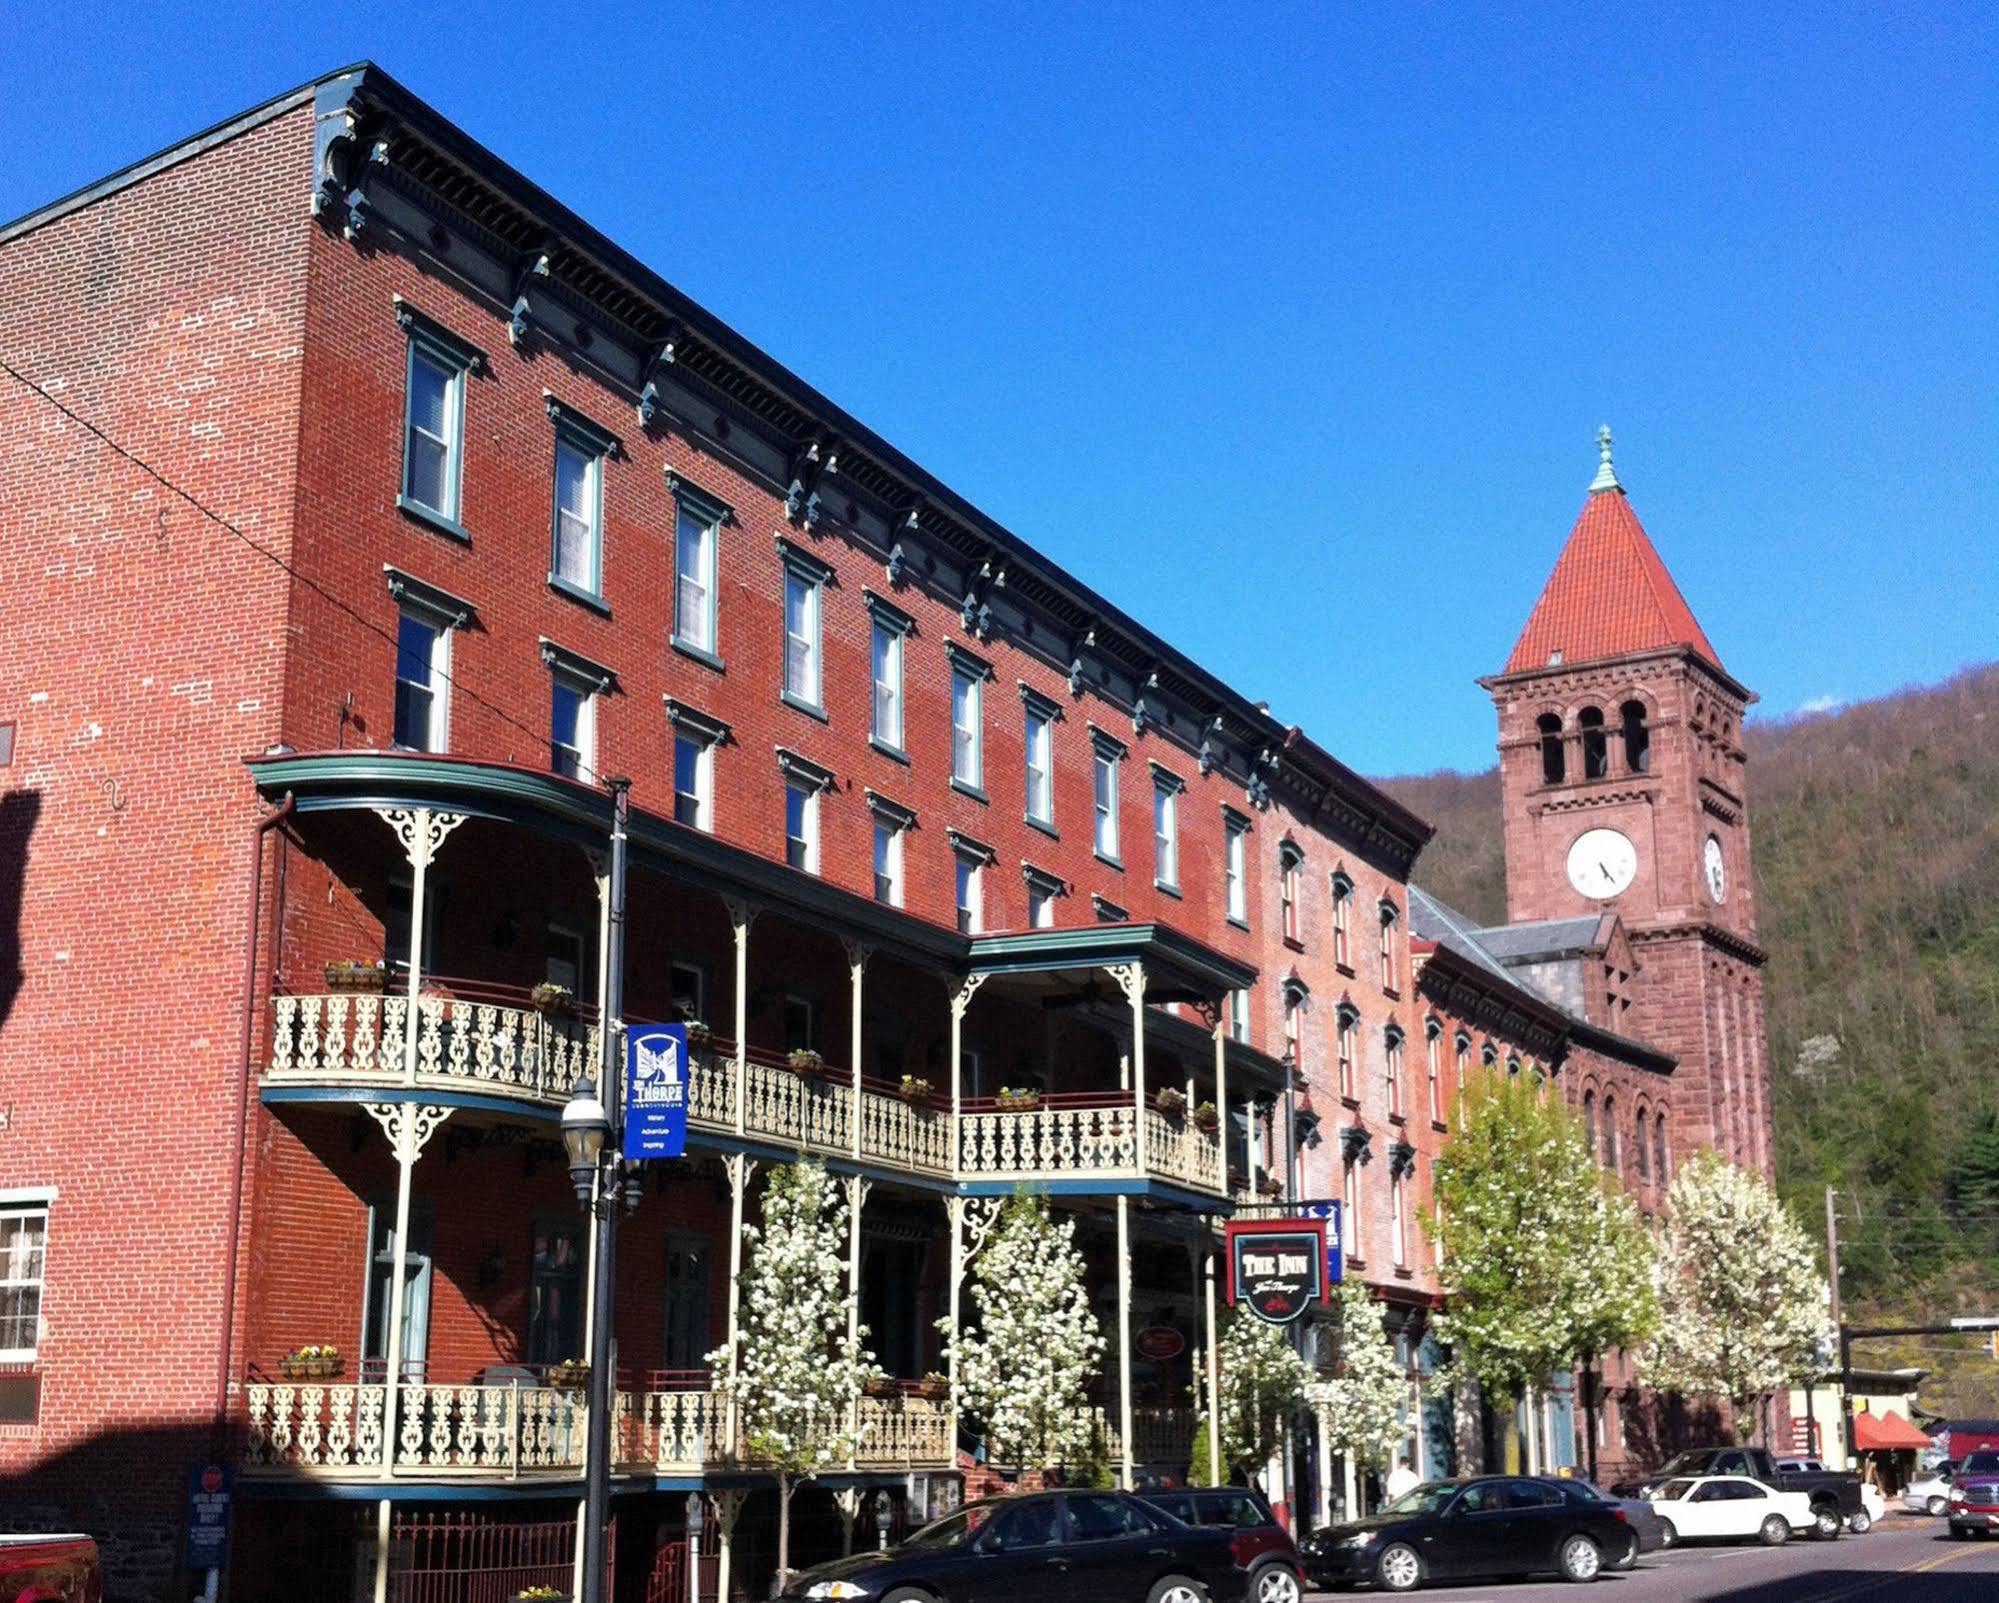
column 694, row 627
column 804, row 676
column 1350, row 1211
column 585, row 743
column 1343, row 895
column 1392, row 1050
column 703, row 794
column 1042, row 891
column 885, row 668
column 1235, row 869
column 968, row 744
column 1391, row 919
column 570, row 932
column 1166, row 789
column 888, row 861
column 1104, row 788
column 1290, row 887
column 681, row 967
column 1346, row 1038
column 968, row 876
column 27, row 1208
column 1396, row 1202
column 440, row 349
column 437, row 732
column 808, row 824
column 1038, row 764
column 1433, row 1044
column 1239, row 1011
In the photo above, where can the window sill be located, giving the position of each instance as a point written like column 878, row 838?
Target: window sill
column 1392, row 992
column 1440, row 1127
column 1165, row 889
column 707, row 658
column 1109, row 862
column 431, row 518
column 1342, row 968
column 1350, row 1103
column 1355, row 1263
column 802, row 705
column 964, row 788
column 1398, row 1118
column 1238, row 923
column 576, row 593
column 895, row 753
column 1294, row 943
column 1404, row 1274
column 1041, row 824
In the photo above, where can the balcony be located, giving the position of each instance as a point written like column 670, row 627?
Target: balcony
column 524, row 1430
column 485, row 1047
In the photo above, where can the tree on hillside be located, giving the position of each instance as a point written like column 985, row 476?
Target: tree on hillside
column 1544, row 1264
column 1262, row 1380
column 1365, row 1404
column 795, row 1375
column 1743, row 1306
column 1022, row 1361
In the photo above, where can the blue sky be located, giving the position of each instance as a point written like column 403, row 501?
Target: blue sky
column 1288, row 329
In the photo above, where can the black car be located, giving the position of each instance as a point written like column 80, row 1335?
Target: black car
column 1049, row 1547
column 1492, row 1525
column 1652, row 1532
column 1262, row 1546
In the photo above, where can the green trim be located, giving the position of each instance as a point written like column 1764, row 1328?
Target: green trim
column 1162, row 949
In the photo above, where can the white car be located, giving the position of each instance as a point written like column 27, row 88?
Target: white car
column 1928, row 1493
column 1731, row 1508
column 1873, row 1505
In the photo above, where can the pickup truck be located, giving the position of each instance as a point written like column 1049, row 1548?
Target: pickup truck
column 1836, row 1501
column 44, row 1569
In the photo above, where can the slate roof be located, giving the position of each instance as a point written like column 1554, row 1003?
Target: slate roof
column 1547, row 937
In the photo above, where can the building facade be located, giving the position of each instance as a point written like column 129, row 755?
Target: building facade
column 369, row 510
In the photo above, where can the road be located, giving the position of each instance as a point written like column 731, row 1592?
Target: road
column 1904, row 1559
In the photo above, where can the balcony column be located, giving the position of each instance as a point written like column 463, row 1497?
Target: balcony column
column 1222, row 1102
column 1126, row 1478
column 960, row 1000
column 421, row 832
column 728, row 1508
column 741, row 916
column 600, row 869
column 1131, row 976
column 740, row 1167
column 857, row 1196
column 1214, row 1376
column 971, row 1218
column 858, row 953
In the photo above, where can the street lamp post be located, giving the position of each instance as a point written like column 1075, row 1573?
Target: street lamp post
column 592, row 1125
column 695, row 1519
column 883, row 1515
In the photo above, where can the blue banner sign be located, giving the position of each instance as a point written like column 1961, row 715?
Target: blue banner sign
column 208, row 1489
column 656, row 1069
column 1330, row 1212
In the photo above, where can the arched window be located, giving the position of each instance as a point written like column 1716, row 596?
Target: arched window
column 1289, row 860
column 1348, row 1032
column 1610, row 1133
column 1433, row 1041
column 1659, row 1150
column 1589, row 1120
column 1461, row 1046
column 1392, row 1041
column 1390, row 917
column 1596, row 744
column 1512, row 1066
column 1644, row 1152
column 1554, row 763
column 1637, row 738
column 1343, row 922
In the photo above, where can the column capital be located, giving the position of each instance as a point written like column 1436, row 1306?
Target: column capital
column 408, row 1125
column 967, row 988
column 420, row 830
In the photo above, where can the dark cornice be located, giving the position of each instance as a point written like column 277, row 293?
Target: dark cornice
column 1479, row 997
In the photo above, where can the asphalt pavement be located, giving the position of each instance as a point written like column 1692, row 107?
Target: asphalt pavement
column 1906, row 1557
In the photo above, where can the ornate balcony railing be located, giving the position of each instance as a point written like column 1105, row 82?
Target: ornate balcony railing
column 517, row 1429
column 470, row 1045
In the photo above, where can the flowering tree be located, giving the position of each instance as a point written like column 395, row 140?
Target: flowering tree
column 796, row 1376
column 1365, row 1404
column 1743, row 1305
column 1022, row 1364
column 1262, row 1380
column 1544, row 1263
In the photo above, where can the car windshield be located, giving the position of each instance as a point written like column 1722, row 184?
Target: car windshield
column 1587, row 1489
column 1424, row 1499
column 1981, row 1463
column 1673, row 1491
column 952, row 1529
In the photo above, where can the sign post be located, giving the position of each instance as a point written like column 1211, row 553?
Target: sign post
column 1277, row 1267
column 655, row 1091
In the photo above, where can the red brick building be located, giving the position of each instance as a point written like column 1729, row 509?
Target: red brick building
column 367, row 509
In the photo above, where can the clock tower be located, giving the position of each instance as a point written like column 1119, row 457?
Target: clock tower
column 1622, row 774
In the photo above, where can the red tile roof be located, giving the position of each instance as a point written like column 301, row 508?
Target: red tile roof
column 1609, row 595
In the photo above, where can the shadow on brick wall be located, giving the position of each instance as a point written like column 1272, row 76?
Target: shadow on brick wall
column 20, row 810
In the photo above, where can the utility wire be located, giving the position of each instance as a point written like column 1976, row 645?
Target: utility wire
column 261, row 549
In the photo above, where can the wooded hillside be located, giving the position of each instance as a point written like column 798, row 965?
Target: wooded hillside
column 1876, row 838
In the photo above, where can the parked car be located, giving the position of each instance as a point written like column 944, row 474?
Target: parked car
column 1707, row 1508
column 1652, row 1532
column 1042, row 1545
column 1276, row 1571
column 1929, row 1493
column 1973, row 1504
column 1835, row 1495
column 1800, row 1466
column 50, row 1567
column 1490, row 1525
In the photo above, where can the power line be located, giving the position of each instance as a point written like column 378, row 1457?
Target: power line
column 261, row 549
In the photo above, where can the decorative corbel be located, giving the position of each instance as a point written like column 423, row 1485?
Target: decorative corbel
column 1087, row 643
column 662, row 356
column 1355, row 1142
column 1141, row 715
column 1206, row 756
column 517, row 321
column 1401, row 1160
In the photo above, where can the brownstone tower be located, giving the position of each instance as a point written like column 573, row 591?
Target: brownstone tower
column 1623, row 782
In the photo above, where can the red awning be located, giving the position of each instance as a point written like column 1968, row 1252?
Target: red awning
column 1890, row 1433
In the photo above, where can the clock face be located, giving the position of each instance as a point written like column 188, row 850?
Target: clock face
column 1715, row 866
column 1602, row 862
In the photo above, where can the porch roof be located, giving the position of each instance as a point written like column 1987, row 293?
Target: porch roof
column 1177, row 967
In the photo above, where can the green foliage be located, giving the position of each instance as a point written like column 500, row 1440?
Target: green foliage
column 1197, row 1467
column 1092, row 1466
column 1876, row 839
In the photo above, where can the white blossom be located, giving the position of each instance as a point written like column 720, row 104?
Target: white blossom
column 1262, row 1380
column 1743, row 1305
column 1364, row 1406
column 1023, row 1359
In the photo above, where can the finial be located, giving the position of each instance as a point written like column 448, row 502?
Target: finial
column 1606, row 475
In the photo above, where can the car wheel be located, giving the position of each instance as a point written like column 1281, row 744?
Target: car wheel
column 1176, row 1589
column 1668, row 1537
column 1275, row 1583
column 908, row 1594
column 1580, row 1559
column 1935, row 1506
column 1861, row 1523
column 1774, row 1531
column 1399, row 1569
column 1826, row 1522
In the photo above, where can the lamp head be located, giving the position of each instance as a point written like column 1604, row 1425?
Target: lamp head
column 585, row 1126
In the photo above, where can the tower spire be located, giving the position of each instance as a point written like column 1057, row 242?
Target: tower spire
column 1606, row 475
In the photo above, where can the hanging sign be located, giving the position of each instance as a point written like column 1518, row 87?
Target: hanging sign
column 1335, row 1234
column 1277, row 1267
column 1159, row 1343
column 655, row 1090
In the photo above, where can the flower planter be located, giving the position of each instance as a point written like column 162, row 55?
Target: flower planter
column 932, row 1388
column 541, row 1594
column 552, row 1001
column 880, row 1388
column 698, row 1037
column 804, row 1062
column 915, row 1090
column 1206, row 1119
column 1171, row 1103
column 1269, row 1185
column 570, row 1376
column 1017, row 1101
column 348, row 976
column 311, row 1363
